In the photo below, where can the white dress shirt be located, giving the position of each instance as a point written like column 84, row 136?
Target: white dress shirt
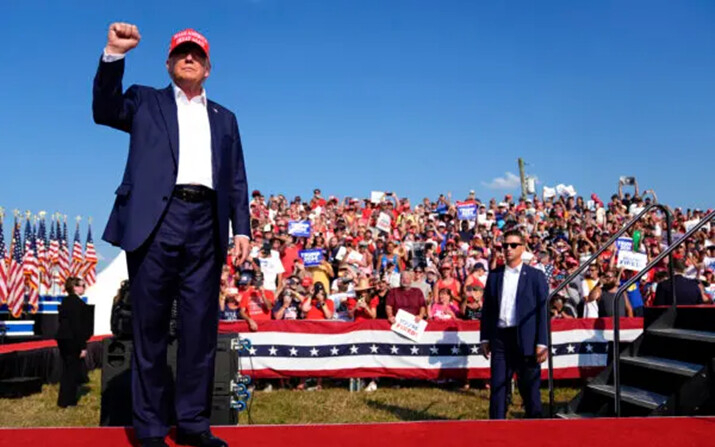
column 195, row 166
column 507, row 308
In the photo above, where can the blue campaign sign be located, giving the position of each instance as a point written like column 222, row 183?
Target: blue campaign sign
column 466, row 211
column 624, row 244
column 311, row 258
column 299, row 228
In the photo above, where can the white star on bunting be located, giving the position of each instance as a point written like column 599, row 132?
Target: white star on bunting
column 353, row 349
column 433, row 350
column 475, row 349
column 252, row 351
column 314, row 352
column 373, row 349
column 455, row 349
column 394, row 349
column 293, row 352
column 334, row 351
column 570, row 349
column 414, row 350
column 589, row 348
column 272, row 350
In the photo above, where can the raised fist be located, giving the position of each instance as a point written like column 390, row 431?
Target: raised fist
column 121, row 38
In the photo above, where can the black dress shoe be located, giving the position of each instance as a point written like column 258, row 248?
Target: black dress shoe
column 153, row 442
column 204, row 439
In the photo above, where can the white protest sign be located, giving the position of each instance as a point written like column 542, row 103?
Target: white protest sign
column 549, row 192
column 376, row 196
column 564, row 190
column 691, row 223
column 632, row 261
column 341, row 253
column 355, row 257
column 405, row 325
column 384, row 222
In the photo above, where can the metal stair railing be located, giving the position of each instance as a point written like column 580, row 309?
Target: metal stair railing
column 629, row 283
column 583, row 266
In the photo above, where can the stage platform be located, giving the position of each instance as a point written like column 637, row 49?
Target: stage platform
column 651, row 432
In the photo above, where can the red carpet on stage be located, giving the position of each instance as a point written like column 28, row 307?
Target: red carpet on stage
column 628, row 432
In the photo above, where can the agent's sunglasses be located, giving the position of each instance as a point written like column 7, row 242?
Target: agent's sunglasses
column 512, row 245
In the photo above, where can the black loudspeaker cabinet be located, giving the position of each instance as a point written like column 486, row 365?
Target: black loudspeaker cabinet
column 116, row 404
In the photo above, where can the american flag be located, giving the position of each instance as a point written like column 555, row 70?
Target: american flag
column 31, row 270
column 77, row 258
column 43, row 255
column 54, row 254
column 64, row 255
column 90, row 259
column 16, row 279
column 3, row 265
column 28, row 244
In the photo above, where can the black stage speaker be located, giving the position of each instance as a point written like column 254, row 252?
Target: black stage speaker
column 116, row 405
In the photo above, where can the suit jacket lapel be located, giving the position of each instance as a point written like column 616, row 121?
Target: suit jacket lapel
column 520, row 287
column 215, row 141
column 500, row 286
column 167, row 106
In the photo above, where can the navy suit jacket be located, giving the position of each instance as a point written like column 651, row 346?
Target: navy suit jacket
column 687, row 292
column 150, row 117
column 531, row 307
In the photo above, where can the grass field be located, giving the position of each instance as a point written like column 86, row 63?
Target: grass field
column 333, row 404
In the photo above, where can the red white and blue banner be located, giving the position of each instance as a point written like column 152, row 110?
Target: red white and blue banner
column 281, row 349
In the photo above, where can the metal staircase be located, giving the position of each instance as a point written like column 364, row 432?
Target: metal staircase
column 668, row 371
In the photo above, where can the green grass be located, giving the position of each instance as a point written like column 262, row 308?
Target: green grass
column 333, row 404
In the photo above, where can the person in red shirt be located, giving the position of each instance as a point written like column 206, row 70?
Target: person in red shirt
column 364, row 306
column 319, row 307
column 448, row 281
column 256, row 302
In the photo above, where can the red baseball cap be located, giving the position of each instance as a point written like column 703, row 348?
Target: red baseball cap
column 189, row 36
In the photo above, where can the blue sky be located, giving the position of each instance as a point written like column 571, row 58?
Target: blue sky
column 419, row 97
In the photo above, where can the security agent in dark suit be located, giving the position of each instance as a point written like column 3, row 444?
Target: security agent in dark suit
column 513, row 329
column 184, row 181
column 687, row 291
column 72, row 341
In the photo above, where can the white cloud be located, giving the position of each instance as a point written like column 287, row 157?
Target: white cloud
column 509, row 181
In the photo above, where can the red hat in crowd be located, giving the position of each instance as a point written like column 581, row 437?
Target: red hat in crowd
column 307, row 281
column 189, row 36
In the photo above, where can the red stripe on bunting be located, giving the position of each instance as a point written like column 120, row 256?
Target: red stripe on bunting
column 413, row 373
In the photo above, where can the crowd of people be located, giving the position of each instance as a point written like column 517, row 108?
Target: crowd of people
column 381, row 255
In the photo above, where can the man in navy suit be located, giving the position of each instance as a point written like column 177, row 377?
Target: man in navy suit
column 687, row 291
column 513, row 329
column 184, row 180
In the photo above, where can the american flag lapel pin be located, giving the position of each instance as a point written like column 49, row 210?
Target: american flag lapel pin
column 215, row 109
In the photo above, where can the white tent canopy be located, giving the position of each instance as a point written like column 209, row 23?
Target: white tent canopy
column 102, row 293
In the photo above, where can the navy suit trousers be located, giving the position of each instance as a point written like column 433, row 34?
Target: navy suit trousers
column 506, row 359
column 181, row 261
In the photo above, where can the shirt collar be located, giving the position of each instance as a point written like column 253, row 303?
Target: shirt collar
column 516, row 269
column 178, row 94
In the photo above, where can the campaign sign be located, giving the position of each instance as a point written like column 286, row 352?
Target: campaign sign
column 405, row 325
column 466, row 211
column 299, row 228
column 624, row 244
column 311, row 258
column 632, row 261
column 384, row 222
